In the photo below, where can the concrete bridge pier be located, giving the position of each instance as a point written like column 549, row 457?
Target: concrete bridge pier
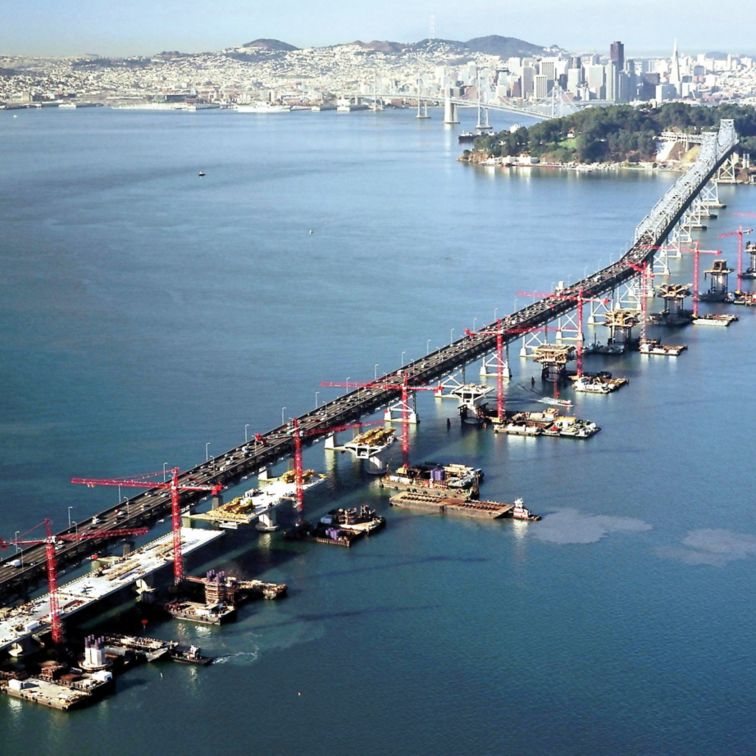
column 450, row 111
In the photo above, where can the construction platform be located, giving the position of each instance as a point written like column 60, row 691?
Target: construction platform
column 598, row 384
column 721, row 320
column 745, row 299
column 462, row 480
column 654, row 347
column 109, row 576
column 487, row 510
column 63, row 694
column 546, row 423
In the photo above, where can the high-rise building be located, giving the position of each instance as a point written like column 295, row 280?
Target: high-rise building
column 528, row 74
column 675, row 77
column 574, row 79
column 594, row 78
column 547, row 68
column 541, row 84
column 610, row 81
column 617, row 55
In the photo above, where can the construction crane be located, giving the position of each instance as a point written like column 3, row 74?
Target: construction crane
column 696, row 251
column 404, row 387
column 581, row 299
column 50, row 541
column 740, row 232
column 298, row 434
column 499, row 332
column 645, row 276
column 174, row 486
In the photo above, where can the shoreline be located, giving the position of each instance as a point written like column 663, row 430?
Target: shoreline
column 509, row 162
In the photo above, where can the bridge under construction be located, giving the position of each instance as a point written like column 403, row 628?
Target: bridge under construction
column 267, row 449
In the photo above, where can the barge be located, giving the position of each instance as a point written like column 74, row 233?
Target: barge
column 461, row 481
column 721, row 320
column 546, row 423
column 654, row 347
column 424, row 502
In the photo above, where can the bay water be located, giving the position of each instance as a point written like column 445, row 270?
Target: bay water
column 147, row 312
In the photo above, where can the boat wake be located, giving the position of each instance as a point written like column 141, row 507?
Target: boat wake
column 240, row 658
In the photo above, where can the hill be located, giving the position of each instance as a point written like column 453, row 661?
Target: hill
column 615, row 134
column 270, row 44
column 504, row 47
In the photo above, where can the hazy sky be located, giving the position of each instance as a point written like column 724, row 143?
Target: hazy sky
column 133, row 27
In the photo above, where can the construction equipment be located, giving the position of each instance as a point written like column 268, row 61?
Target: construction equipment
column 174, row 486
column 50, row 541
column 404, row 387
column 739, row 232
column 580, row 299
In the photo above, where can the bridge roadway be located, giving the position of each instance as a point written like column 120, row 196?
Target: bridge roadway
column 248, row 459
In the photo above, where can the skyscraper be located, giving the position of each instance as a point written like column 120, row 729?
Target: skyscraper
column 617, row 55
column 675, row 79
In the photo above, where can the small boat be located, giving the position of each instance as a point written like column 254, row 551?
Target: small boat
column 200, row 173
column 189, row 655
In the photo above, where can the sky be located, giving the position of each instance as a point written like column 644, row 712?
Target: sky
column 142, row 27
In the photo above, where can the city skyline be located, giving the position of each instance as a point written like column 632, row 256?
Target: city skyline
column 65, row 28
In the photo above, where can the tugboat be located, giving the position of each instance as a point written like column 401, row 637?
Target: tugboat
column 520, row 512
column 189, row 655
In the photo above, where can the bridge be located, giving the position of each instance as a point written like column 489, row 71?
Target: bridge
column 277, row 444
column 554, row 105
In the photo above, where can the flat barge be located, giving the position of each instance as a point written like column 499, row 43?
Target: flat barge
column 63, row 694
column 459, row 481
column 655, row 348
column 721, row 320
column 424, row 502
column 340, row 527
column 546, row 423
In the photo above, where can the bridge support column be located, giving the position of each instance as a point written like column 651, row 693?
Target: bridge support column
column 264, row 474
column 217, row 500
column 450, row 110
column 267, row 520
column 330, row 442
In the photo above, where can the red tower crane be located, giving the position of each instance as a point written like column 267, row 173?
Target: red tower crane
column 696, row 251
column 580, row 299
column 499, row 332
column 174, row 487
column 645, row 276
column 740, row 232
column 298, row 433
column 404, row 387
column 50, row 540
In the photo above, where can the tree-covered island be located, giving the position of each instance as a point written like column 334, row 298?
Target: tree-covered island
column 617, row 134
